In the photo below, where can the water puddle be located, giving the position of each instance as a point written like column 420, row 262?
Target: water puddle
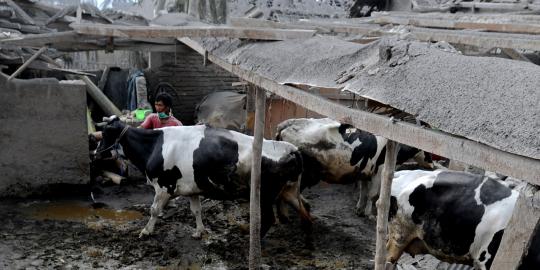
column 81, row 212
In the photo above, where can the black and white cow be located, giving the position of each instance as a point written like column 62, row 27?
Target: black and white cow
column 457, row 217
column 199, row 160
column 340, row 154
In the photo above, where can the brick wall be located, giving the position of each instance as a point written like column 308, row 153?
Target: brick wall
column 192, row 81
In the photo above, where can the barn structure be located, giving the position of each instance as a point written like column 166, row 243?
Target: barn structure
column 379, row 72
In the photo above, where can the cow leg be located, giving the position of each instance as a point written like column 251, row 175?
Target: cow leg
column 267, row 218
column 291, row 195
column 283, row 211
column 196, row 209
column 160, row 199
column 362, row 197
column 373, row 194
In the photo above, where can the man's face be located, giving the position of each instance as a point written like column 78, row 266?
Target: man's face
column 160, row 107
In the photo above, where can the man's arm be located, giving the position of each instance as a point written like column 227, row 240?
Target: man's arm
column 147, row 124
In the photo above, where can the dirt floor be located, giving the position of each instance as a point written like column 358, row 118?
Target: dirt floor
column 74, row 233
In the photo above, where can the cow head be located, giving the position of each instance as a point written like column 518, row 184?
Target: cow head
column 112, row 133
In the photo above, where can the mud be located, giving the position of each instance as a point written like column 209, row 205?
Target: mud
column 77, row 233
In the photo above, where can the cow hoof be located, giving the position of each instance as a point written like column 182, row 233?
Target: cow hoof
column 359, row 212
column 283, row 219
column 144, row 233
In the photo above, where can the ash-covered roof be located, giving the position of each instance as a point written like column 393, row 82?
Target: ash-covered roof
column 490, row 100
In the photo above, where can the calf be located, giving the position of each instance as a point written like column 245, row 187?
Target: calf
column 456, row 216
column 340, row 154
column 199, row 160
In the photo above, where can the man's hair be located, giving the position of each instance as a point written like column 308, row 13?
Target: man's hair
column 165, row 98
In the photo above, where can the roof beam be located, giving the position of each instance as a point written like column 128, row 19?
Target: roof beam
column 479, row 39
column 524, row 28
column 190, row 31
column 433, row 141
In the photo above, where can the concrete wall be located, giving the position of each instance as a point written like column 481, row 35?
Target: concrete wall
column 192, row 81
column 43, row 135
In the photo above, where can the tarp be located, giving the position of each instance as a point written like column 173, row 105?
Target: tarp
column 490, row 100
column 223, row 109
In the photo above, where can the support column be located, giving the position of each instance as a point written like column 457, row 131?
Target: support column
column 520, row 230
column 383, row 204
column 255, row 197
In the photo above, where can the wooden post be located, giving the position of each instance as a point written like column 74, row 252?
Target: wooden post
column 519, row 232
column 100, row 98
column 25, row 64
column 255, row 197
column 383, row 204
column 250, row 109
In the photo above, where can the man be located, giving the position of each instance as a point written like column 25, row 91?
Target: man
column 163, row 116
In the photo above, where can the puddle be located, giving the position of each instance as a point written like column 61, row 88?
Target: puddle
column 81, row 212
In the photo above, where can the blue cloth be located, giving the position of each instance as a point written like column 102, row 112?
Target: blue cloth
column 132, row 90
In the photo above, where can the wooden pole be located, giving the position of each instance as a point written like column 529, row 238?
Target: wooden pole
column 22, row 14
column 25, row 64
column 383, row 204
column 100, row 98
column 520, row 230
column 255, row 197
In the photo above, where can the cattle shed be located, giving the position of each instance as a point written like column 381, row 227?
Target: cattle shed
column 481, row 111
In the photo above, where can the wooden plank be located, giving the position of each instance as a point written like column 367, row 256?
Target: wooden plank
column 20, row 12
column 42, row 39
column 190, row 31
column 433, row 141
column 525, row 28
column 255, row 188
column 383, row 204
column 493, row 6
column 479, row 39
column 26, row 63
column 320, row 27
column 519, row 232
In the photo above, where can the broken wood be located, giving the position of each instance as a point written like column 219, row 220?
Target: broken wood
column 190, row 31
column 27, row 62
column 20, row 12
column 255, row 189
column 512, row 53
column 383, row 204
column 429, row 140
column 519, row 232
column 26, row 28
column 103, row 101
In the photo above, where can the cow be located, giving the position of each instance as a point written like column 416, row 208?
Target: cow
column 199, row 160
column 456, row 216
column 364, row 8
column 341, row 154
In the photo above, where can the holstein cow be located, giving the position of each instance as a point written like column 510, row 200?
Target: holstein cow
column 199, row 160
column 340, row 154
column 456, row 216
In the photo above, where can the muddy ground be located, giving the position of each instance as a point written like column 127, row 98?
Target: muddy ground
column 73, row 233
